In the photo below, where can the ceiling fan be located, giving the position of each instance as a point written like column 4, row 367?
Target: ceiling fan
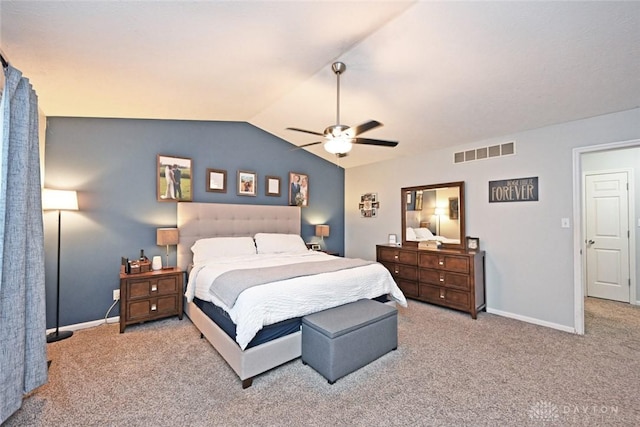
column 339, row 138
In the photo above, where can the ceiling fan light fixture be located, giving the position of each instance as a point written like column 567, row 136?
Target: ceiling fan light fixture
column 338, row 145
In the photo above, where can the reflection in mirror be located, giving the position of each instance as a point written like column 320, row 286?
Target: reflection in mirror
column 434, row 212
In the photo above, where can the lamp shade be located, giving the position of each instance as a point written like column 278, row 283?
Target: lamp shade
column 59, row 199
column 322, row 230
column 167, row 236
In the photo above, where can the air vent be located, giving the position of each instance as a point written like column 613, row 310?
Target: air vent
column 506, row 149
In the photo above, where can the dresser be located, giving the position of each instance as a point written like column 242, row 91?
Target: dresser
column 447, row 277
column 150, row 296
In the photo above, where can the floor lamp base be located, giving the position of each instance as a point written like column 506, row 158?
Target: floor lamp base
column 58, row 336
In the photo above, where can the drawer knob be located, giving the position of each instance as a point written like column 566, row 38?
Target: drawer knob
column 441, row 262
column 154, row 288
column 396, row 272
column 442, row 293
column 442, row 278
column 395, row 256
column 153, row 307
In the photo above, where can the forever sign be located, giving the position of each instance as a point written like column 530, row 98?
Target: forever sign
column 514, row 190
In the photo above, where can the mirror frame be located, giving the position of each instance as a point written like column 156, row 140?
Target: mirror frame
column 461, row 215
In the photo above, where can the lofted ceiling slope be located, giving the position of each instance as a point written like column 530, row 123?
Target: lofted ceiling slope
column 436, row 73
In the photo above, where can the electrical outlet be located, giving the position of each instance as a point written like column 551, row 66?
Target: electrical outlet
column 116, row 294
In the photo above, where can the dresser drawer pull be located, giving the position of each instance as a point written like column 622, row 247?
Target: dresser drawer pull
column 154, row 288
column 442, row 293
column 442, row 277
column 153, row 307
column 395, row 256
column 396, row 272
column 441, row 262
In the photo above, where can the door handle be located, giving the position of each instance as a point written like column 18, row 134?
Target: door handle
column 591, row 242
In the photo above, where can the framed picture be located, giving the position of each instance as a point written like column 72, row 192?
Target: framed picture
column 173, row 179
column 298, row 189
column 453, row 208
column 473, row 244
column 216, row 180
column 247, row 183
column 393, row 239
column 272, row 186
column 369, row 205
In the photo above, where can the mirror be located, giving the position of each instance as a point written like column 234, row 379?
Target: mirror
column 434, row 212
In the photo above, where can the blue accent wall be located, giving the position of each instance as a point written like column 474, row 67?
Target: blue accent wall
column 112, row 165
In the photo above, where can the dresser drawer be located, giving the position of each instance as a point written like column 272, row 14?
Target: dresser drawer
column 445, row 296
column 397, row 255
column 408, row 288
column 151, row 307
column 401, row 271
column 459, row 264
column 145, row 288
column 445, row 278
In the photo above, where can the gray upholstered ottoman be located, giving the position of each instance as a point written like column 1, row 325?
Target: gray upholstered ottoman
column 340, row 340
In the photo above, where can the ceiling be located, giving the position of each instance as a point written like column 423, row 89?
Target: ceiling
column 436, row 74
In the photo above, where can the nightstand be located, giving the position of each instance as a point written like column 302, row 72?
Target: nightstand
column 150, row 296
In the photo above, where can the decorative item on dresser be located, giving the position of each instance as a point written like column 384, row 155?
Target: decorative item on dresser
column 150, row 296
column 447, row 277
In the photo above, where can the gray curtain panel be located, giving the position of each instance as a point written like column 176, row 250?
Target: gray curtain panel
column 23, row 353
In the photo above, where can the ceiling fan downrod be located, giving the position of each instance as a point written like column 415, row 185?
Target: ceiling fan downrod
column 338, row 68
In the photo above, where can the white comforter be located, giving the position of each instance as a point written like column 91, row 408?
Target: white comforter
column 273, row 302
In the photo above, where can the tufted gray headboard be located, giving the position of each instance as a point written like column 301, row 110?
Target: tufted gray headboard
column 201, row 220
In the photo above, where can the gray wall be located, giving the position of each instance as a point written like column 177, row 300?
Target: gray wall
column 529, row 264
column 112, row 165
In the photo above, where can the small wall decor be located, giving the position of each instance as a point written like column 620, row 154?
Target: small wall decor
column 247, row 185
column 453, row 208
column 272, row 186
column 369, row 205
column 217, row 180
column 174, row 181
column 514, row 190
column 298, row 189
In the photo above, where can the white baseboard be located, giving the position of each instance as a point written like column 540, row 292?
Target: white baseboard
column 532, row 320
column 86, row 325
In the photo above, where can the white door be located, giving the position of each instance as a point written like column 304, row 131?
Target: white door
column 607, row 235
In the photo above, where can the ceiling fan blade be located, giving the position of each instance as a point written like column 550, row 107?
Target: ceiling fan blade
column 366, row 127
column 311, row 143
column 369, row 141
column 306, row 145
column 306, row 131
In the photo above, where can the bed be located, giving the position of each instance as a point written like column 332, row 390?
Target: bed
column 423, row 234
column 200, row 222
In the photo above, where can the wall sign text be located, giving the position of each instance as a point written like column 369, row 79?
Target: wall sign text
column 514, row 190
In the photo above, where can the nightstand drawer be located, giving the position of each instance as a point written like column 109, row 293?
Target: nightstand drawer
column 145, row 288
column 149, row 308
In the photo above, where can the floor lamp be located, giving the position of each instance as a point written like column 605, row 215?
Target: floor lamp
column 59, row 200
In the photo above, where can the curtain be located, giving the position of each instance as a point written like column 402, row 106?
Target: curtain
column 23, row 353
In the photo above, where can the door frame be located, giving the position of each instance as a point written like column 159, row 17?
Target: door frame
column 579, row 264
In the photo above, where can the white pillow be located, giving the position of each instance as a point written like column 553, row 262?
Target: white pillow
column 275, row 243
column 219, row 247
column 411, row 235
column 423, row 233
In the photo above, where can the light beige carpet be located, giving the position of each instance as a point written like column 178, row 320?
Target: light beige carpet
column 449, row 370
